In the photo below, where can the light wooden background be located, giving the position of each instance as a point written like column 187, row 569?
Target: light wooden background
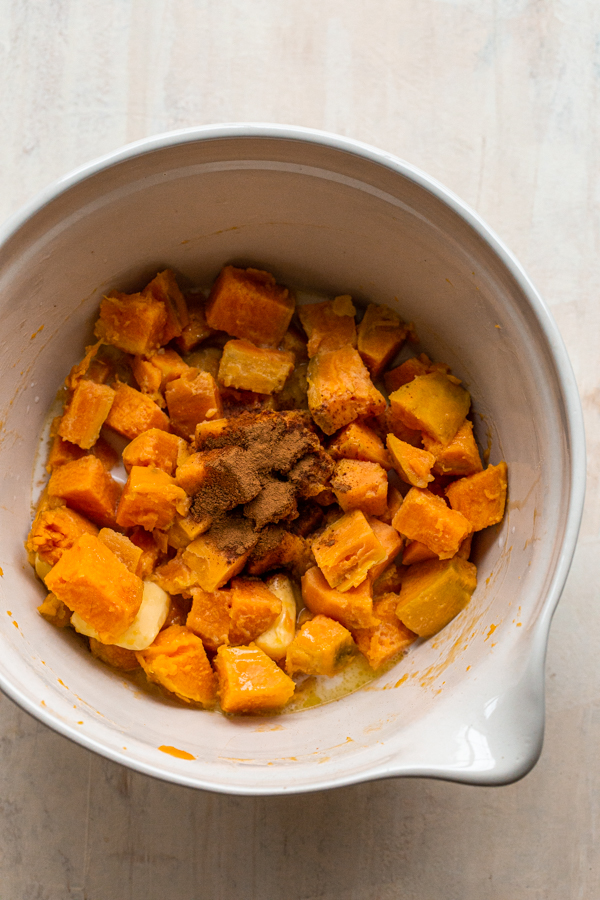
column 499, row 100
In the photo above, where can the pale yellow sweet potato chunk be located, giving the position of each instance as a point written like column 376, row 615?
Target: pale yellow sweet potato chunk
column 432, row 403
column 321, row 647
column 329, row 325
column 250, row 368
column 434, row 592
column 412, row 464
column 346, row 550
column 340, row 389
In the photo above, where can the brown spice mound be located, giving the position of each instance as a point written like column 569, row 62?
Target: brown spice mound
column 233, row 534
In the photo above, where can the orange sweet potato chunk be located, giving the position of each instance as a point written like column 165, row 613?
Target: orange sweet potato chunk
column 197, row 329
column 432, row 403
column 123, row 548
column 391, row 542
column 248, row 303
column 253, row 609
column 169, row 365
column 150, row 551
column 87, row 487
column 56, row 530
column 250, row 368
column 380, row 336
column 86, row 414
column 132, row 322
column 340, row 389
column 393, row 424
column 148, row 378
column 329, row 325
column 321, row 647
column 434, row 592
column 177, row 660
column 117, row 657
column 395, row 500
column 346, row 550
column 412, row 464
column 459, row 457
column 210, row 617
column 405, row 372
column 132, row 413
column 186, row 529
column 353, row 608
column 358, row 441
column 62, row 452
column 415, row 552
column 174, row 576
column 150, row 499
column 54, row 611
column 154, row 448
column 214, row 565
column 164, row 289
column 251, row 682
column 426, row 518
column 382, row 642
column 94, row 583
column 481, row 498
column 191, row 399
column 360, row 485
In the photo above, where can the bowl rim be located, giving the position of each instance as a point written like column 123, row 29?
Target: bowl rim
column 570, row 399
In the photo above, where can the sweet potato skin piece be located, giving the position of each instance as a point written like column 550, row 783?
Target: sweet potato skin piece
column 381, row 642
column 432, row 403
column 251, row 682
column 346, row 550
column 481, row 498
column 353, row 608
column 360, row 485
column 460, row 457
column 358, row 441
column 329, row 325
column 149, row 499
column 92, row 582
column 434, row 592
column 132, row 413
column 132, row 322
column 154, row 448
column 426, row 518
column 56, row 530
column 380, row 336
column 177, row 660
column 87, row 487
column 248, row 303
column 321, row 647
column 412, row 465
column 191, row 399
column 340, row 389
column 86, row 413
column 250, row 368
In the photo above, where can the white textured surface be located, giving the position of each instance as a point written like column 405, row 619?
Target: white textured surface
column 500, row 102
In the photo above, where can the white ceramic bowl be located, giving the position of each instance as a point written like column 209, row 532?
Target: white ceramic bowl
column 335, row 216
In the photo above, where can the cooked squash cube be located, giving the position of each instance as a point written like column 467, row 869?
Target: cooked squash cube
column 415, row 552
column 251, row 682
column 175, row 577
column 150, row 499
column 459, row 457
column 94, row 583
column 154, row 448
column 251, row 368
column 215, row 561
column 197, row 329
column 381, row 642
column 86, row 414
column 346, row 551
column 148, row 379
column 186, row 529
column 150, row 551
column 358, row 441
column 390, row 581
column 123, row 548
column 253, row 609
column 132, row 322
column 406, row 371
column 360, row 485
column 329, row 325
column 279, row 548
column 394, row 425
column 56, row 530
column 248, row 303
column 62, row 452
column 87, row 487
column 380, row 336
column 209, row 429
column 210, row 617
column 177, row 660
column 165, row 289
column 432, row 403
column 169, row 365
column 55, row 611
column 481, row 498
column 434, row 592
column 353, row 608
column 426, row 518
column 391, row 542
column 340, row 389
column 321, row 647
column 107, row 455
column 395, row 501
column 192, row 398
column 117, row 657
column 132, row 413
column 412, row 465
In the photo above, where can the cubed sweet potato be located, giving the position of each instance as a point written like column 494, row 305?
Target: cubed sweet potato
column 251, row 682
column 434, row 592
column 253, row 609
column 432, row 403
column 360, row 485
column 169, row 364
column 412, row 464
column 197, row 329
column 279, row 548
column 250, row 368
column 56, row 530
column 459, row 457
column 340, row 389
column 148, row 379
column 346, row 550
column 391, row 542
column 150, row 551
column 86, row 414
column 94, row 583
column 87, row 487
column 177, row 660
column 426, row 518
column 132, row 322
column 150, row 499
column 415, row 552
column 55, row 611
column 117, row 657
column 175, row 577
column 192, row 398
column 248, row 303
column 321, row 647
column 382, row 642
column 380, row 336
column 353, row 608
column 154, row 448
column 123, row 548
column 210, row 617
column 406, row 371
column 132, row 413
column 186, row 529
column 394, row 502
column 393, row 424
column 358, row 441
column 481, row 498
column 165, row 289
column 329, row 325
column 62, row 452
column 215, row 561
